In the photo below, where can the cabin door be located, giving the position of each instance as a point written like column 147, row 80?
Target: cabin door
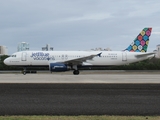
column 24, row 56
column 124, row 56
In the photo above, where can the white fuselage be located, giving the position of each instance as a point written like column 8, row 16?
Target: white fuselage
column 44, row 58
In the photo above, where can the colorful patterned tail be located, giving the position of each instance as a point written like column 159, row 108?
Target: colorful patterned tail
column 140, row 44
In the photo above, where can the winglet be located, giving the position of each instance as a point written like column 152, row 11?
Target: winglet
column 140, row 44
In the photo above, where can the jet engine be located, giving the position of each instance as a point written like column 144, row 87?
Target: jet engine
column 58, row 67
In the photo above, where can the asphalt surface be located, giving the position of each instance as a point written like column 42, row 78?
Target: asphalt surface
column 79, row 99
column 125, row 78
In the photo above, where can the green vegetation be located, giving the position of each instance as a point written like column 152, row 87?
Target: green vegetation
column 103, row 117
column 152, row 64
column 2, row 65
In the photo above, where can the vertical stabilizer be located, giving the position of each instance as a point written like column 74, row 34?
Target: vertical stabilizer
column 140, row 44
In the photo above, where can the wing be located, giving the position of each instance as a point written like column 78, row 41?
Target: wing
column 79, row 60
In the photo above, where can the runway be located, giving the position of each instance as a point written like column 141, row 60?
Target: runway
column 80, row 99
column 98, row 94
column 82, row 78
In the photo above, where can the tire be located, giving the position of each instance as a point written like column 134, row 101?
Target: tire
column 76, row 72
column 24, row 72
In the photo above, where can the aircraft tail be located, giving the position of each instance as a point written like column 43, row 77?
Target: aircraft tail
column 140, row 44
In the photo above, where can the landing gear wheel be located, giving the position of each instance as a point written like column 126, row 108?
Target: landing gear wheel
column 24, row 72
column 76, row 72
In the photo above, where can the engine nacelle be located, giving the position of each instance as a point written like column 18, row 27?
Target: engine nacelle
column 58, row 67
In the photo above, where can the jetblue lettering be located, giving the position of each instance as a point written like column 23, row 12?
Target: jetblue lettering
column 41, row 56
column 58, row 67
column 37, row 54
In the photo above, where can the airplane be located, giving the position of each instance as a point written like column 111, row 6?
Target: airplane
column 58, row 61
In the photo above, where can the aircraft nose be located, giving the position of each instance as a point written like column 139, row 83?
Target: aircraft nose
column 6, row 61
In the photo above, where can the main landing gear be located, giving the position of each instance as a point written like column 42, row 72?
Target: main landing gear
column 24, row 71
column 76, row 71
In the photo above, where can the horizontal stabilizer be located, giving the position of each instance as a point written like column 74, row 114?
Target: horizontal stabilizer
column 145, row 55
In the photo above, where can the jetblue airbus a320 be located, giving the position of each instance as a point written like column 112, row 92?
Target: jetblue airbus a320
column 58, row 61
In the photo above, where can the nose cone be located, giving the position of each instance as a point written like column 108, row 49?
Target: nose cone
column 6, row 61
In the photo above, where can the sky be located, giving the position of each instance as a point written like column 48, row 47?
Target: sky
column 77, row 24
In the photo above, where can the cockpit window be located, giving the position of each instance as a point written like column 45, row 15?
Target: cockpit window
column 13, row 55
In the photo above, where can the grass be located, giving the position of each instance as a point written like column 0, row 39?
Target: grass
column 94, row 117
